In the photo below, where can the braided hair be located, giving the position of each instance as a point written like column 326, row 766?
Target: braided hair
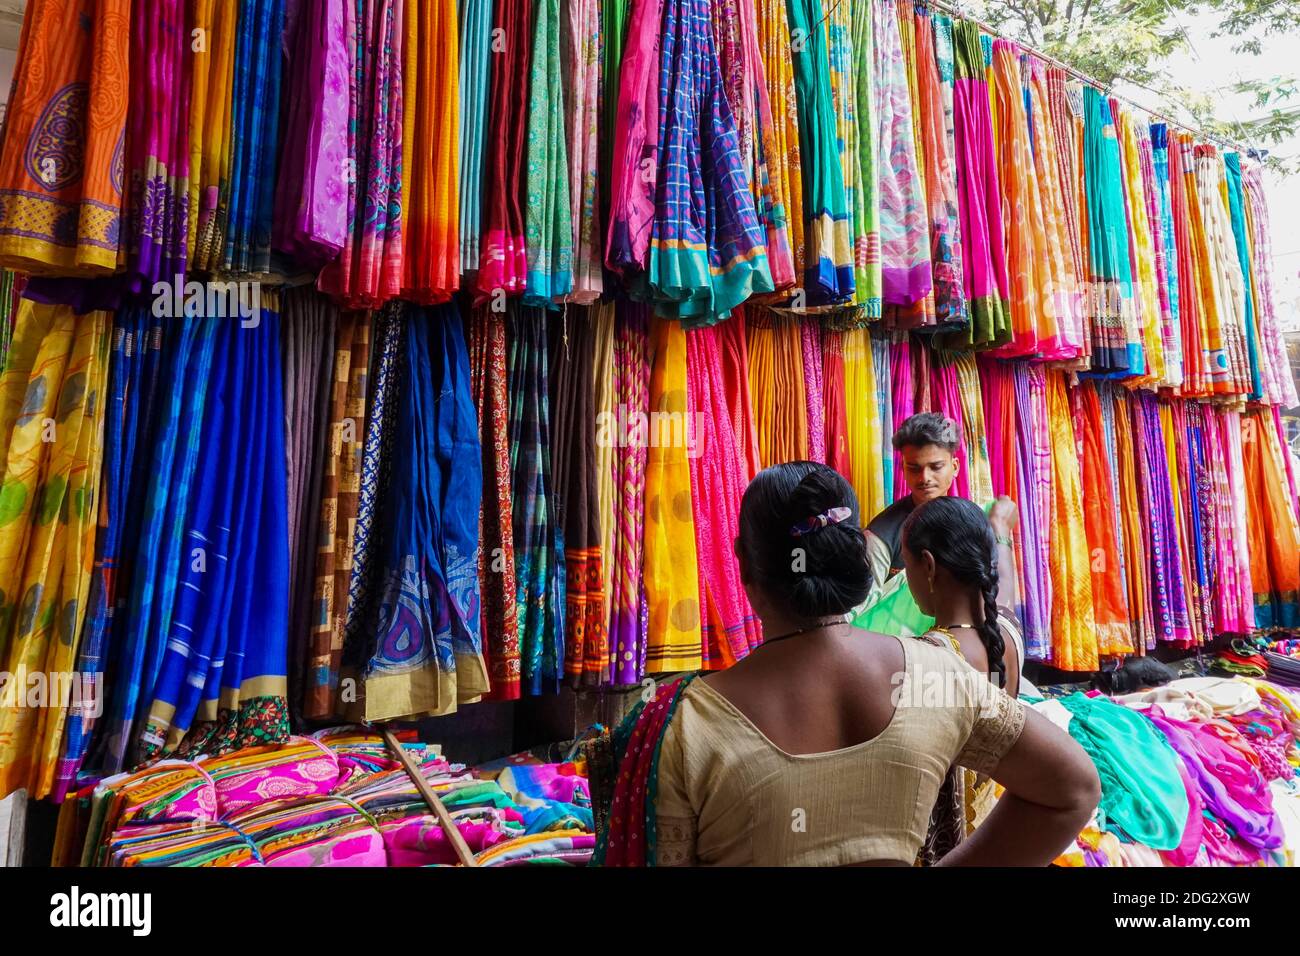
column 958, row 534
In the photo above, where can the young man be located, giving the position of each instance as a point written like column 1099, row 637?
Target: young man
column 927, row 443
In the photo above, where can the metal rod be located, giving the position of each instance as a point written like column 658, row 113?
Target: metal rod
column 956, row 11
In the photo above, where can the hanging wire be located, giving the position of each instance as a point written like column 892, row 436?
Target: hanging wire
column 955, row 9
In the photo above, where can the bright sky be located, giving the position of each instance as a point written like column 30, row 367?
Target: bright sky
column 1210, row 67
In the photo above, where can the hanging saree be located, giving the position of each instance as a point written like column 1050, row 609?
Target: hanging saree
column 431, row 144
column 1109, row 596
column 1157, row 265
column 632, row 357
column 308, row 362
column 810, row 348
column 1142, row 252
column 978, row 473
column 1027, row 244
column 426, row 655
column 706, row 252
column 935, row 155
column 997, row 391
column 901, row 399
column 157, row 142
column 210, row 132
column 219, row 659
column 65, row 131
column 672, row 578
column 1065, row 107
column 904, row 222
column 1110, row 308
column 1213, row 362
column 538, row 536
column 369, row 270
column 1281, row 387
column 762, row 136
column 880, row 359
column 779, row 143
column 838, row 21
column 1074, row 645
column 984, row 266
column 867, row 277
column 735, row 372
column 310, row 203
column 865, row 428
column 634, row 156
column 828, row 256
column 1060, row 313
column 1240, row 597
column 1177, row 465
column 946, row 400
column 1230, row 367
column 729, row 627
column 499, row 626
column 613, row 33
column 1272, row 526
column 1237, row 217
column 1259, row 355
column 1165, row 572
column 1166, row 257
column 254, row 142
column 1038, row 538
column 341, row 485
column 777, row 387
column 1185, row 270
column 582, row 40
column 51, row 419
column 548, row 221
column 385, row 382
column 1135, row 544
column 607, row 491
column 136, row 345
column 155, row 551
column 834, row 412
column 573, row 456
column 475, row 74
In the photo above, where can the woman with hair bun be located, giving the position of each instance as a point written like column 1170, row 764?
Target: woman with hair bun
column 819, row 748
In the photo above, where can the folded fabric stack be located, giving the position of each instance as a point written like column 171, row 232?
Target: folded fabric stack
column 335, row 798
column 1244, row 656
column 1199, row 772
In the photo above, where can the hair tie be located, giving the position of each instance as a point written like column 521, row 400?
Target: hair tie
column 817, row 522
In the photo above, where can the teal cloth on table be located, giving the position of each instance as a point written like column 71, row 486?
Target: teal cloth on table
column 1143, row 798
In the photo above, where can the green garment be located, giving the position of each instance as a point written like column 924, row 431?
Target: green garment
column 1143, row 798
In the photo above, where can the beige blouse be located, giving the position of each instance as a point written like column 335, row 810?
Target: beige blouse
column 728, row 796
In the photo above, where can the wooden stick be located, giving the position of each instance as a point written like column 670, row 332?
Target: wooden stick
column 431, row 798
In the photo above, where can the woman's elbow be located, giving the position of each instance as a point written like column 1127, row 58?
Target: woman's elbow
column 1083, row 787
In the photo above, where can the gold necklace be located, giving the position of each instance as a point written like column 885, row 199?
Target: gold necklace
column 952, row 638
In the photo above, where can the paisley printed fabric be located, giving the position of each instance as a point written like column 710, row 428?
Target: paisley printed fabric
column 61, row 162
column 426, row 651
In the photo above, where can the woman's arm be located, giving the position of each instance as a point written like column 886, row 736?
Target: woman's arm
column 1003, row 517
column 1052, row 788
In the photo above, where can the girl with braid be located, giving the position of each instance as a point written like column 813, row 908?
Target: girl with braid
column 961, row 572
